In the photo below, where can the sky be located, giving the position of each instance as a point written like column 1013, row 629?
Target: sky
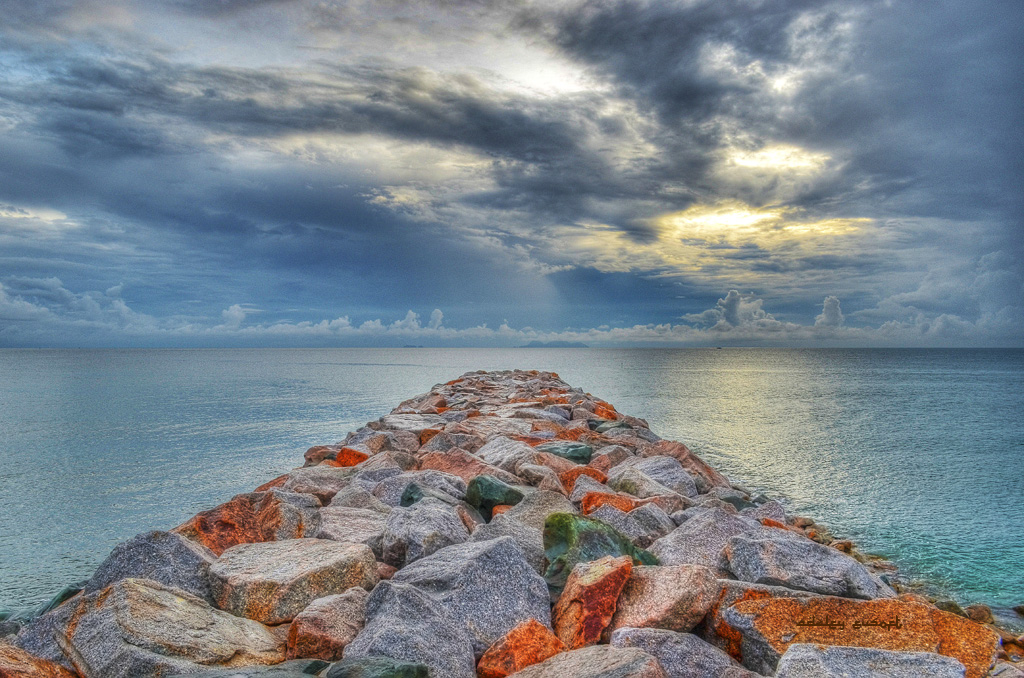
column 491, row 173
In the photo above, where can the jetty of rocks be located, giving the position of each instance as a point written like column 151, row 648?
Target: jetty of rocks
column 503, row 524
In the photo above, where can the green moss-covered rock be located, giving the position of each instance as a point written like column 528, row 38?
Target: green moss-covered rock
column 571, row 539
column 485, row 492
column 377, row 667
column 568, row 449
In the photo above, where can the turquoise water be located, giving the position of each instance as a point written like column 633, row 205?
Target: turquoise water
column 914, row 454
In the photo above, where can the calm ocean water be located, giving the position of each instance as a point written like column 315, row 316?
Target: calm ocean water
column 914, row 454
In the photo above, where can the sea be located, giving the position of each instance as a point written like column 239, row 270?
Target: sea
column 916, row 455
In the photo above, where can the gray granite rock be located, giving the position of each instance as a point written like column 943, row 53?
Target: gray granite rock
column 323, row 482
column 674, row 597
column 487, row 586
column 358, row 497
column 377, row 667
column 664, row 470
column 682, row 655
column 596, row 661
column 701, row 540
column 353, row 526
column 390, row 490
column 139, row 627
column 413, row 532
column 535, row 508
column 164, row 557
column 585, row 484
column 815, row 661
column 629, row 479
column 771, row 510
column 643, row 525
column 780, row 558
column 529, row 539
column 680, row 517
column 507, row 454
column 413, row 423
column 297, row 668
column 271, row 582
column 327, row 625
column 407, row 624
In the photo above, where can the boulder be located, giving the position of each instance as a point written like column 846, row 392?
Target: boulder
column 469, row 516
column 597, row 661
column 254, row 517
column 377, row 667
column 701, row 540
column 413, row 423
column 557, row 464
column 817, row 661
column 353, row 526
column 323, row 482
column 586, row 605
column 769, row 626
column 297, row 668
column 643, row 525
column 780, row 558
column 682, row 655
column 390, row 490
column 535, row 508
column 357, row 497
column 571, row 539
column 585, row 485
column 274, row 581
column 568, row 478
column 507, row 454
column 327, row 625
column 673, row 597
column 485, row 492
column 541, row 477
column 667, row 471
column 416, row 531
column 16, row 663
column 703, row 475
column 319, row 453
column 467, row 466
column 448, row 443
column 770, row 510
column 592, row 501
column 574, row 451
column 488, row 587
column 607, row 457
column 629, row 479
column 347, row 456
column 530, row 539
column 406, row 624
column 139, row 627
column 527, row 644
column 165, row 557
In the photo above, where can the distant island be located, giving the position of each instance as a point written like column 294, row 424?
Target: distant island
column 555, row 344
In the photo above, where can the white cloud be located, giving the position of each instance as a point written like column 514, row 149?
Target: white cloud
column 831, row 315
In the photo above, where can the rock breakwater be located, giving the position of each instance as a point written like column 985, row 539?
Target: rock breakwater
column 503, row 524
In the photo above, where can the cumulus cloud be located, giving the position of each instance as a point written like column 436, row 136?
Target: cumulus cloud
column 831, row 315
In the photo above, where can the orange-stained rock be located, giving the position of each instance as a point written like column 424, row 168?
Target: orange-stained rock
column 528, row 643
column 248, row 518
column 428, row 433
column 347, row 457
column 16, row 663
column 464, row 465
column 605, row 411
column 532, row 441
column 913, row 598
column 385, row 571
column 569, row 477
column 673, row 597
column 772, row 625
column 594, row 500
column 276, row 482
column 587, row 603
column 544, row 425
column 500, row 508
column 327, row 626
column 557, row 464
column 691, row 462
column 319, row 453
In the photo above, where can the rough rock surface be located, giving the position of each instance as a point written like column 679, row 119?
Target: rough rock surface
column 673, row 597
column 138, row 627
column 390, row 489
column 467, row 466
column 16, row 663
column 529, row 539
column 327, row 625
column 597, row 661
column 817, row 661
column 274, row 581
column 489, row 587
column 527, row 644
column 570, row 539
column 298, row 668
column 353, row 526
column 535, row 508
column 166, row 557
column 586, row 605
column 419, row 530
column 682, row 655
column 253, row 517
column 377, row 667
column 777, row 557
column 323, row 482
column 407, row 624
column 770, row 626
column 701, row 540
